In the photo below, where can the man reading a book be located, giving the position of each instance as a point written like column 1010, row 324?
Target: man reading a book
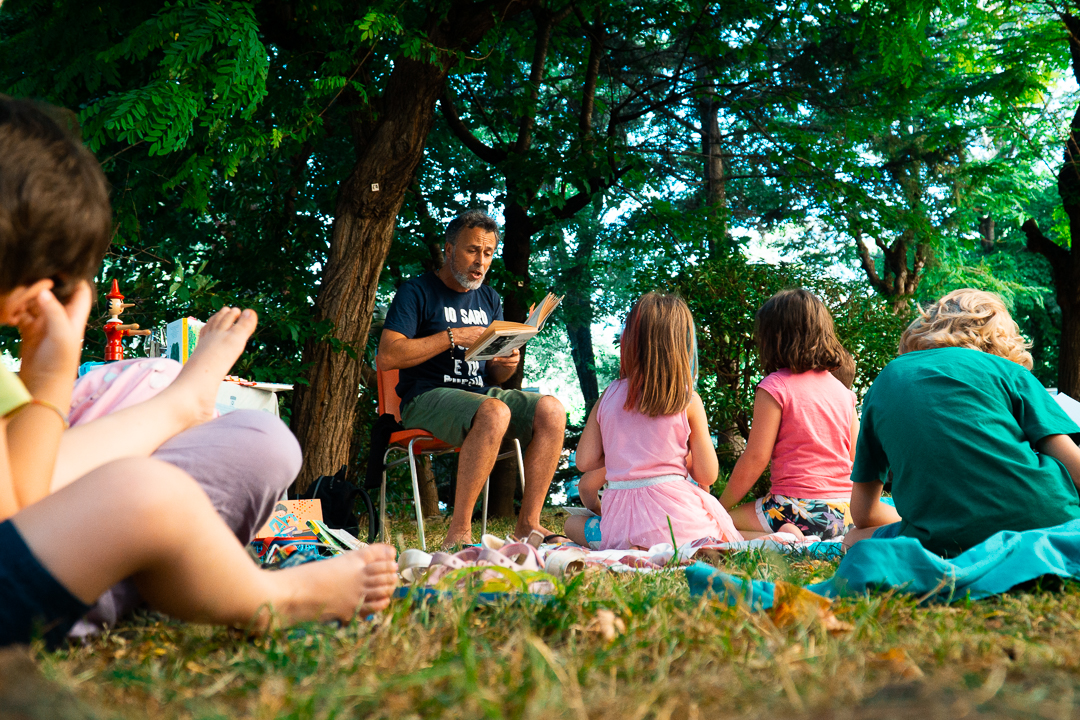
column 433, row 320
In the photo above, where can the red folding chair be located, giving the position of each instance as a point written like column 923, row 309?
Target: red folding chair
column 420, row 442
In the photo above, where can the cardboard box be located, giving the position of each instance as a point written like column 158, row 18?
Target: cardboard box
column 181, row 336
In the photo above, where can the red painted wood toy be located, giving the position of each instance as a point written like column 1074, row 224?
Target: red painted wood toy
column 115, row 331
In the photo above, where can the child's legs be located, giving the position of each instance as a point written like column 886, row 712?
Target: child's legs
column 243, row 461
column 574, row 528
column 584, row 531
column 746, row 519
column 147, row 520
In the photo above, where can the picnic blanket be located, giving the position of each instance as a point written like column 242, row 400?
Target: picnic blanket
column 664, row 554
column 999, row 563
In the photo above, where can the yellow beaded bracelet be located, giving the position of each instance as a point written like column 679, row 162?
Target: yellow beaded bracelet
column 50, row 406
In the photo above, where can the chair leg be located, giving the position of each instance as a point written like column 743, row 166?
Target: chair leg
column 483, row 523
column 521, row 464
column 416, row 496
column 383, row 535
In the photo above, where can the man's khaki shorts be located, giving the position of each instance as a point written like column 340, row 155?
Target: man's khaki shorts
column 447, row 413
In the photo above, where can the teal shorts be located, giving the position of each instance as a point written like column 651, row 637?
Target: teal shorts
column 592, row 532
column 447, row 413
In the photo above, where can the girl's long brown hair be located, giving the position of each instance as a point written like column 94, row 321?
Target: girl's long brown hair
column 794, row 330
column 658, row 355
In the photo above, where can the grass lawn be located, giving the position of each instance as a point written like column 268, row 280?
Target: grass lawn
column 624, row 647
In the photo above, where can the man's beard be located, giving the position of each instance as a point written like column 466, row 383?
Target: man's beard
column 463, row 277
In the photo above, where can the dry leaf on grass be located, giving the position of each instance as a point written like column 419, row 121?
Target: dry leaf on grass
column 795, row 605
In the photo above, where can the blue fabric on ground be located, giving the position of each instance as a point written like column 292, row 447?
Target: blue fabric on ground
column 703, row 578
column 1001, row 562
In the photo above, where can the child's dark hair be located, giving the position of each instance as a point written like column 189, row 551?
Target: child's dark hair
column 846, row 372
column 794, row 330
column 54, row 202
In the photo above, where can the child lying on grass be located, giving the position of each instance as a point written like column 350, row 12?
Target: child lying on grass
column 134, row 517
column 975, row 444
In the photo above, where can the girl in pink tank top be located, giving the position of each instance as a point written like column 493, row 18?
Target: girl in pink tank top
column 644, row 437
column 804, row 423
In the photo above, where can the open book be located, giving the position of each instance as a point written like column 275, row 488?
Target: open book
column 501, row 337
column 1071, row 408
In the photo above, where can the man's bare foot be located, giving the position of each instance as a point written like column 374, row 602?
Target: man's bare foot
column 221, row 341
column 455, row 541
column 521, row 532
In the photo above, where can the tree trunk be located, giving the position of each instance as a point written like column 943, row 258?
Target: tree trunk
column 517, row 247
column 713, row 169
column 577, row 284
column 1065, row 263
column 429, row 492
column 389, row 146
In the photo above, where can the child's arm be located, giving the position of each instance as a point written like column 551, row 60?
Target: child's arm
column 866, row 507
column 590, row 448
column 1065, row 451
column 854, row 433
column 589, row 488
column 704, row 466
column 758, row 451
column 51, row 339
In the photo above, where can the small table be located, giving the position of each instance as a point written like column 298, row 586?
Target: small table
column 249, row 396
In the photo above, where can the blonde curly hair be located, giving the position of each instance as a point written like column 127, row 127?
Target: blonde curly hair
column 970, row 319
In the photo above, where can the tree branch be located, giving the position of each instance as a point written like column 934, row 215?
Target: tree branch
column 867, row 262
column 545, row 21
column 488, row 154
column 1039, row 243
column 583, row 198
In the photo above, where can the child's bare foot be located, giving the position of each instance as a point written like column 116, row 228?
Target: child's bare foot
column 378, row 578
column 221, row 341
column 359, row 582
column 793, row 530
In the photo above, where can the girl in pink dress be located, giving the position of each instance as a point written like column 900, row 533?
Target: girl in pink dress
column 645, row 435
column 804, row 424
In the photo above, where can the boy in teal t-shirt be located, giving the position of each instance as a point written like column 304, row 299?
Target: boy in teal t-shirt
column 974, row 443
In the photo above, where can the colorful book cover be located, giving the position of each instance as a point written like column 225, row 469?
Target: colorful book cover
column 290, row 518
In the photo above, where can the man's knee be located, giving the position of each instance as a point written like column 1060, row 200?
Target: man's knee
column 493, row 415
column 550, row 415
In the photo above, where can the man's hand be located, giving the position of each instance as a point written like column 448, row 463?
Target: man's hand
column 510, row 361
column 52, row 337
column 466, row 337
column 501, row 368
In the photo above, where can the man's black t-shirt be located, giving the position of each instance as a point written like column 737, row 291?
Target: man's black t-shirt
column 425, row 306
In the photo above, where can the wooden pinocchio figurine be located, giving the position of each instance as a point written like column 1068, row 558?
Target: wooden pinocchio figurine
column 116, row 331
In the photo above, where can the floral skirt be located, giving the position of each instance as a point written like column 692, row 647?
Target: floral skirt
column 826, row 519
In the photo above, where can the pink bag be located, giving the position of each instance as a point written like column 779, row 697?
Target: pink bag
column 118, row 385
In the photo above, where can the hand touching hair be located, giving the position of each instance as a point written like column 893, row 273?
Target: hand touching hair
column 970, row 319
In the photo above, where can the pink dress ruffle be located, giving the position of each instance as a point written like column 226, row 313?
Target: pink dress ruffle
column 638, row 517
